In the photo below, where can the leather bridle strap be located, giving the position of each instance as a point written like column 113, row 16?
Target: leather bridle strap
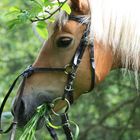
column 86, row 20
column 3, row 104
column 66, row 126
column 52, row 132
column 68, row 92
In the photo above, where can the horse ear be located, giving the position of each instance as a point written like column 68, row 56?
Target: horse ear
column 80, row 6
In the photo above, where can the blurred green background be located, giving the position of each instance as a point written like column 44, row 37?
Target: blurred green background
column 110, row 112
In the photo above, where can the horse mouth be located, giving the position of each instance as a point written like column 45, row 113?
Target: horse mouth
column 28, row 109
column 23, row 122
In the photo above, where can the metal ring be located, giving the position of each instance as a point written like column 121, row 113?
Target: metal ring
column 57, row 99
column 68, row 69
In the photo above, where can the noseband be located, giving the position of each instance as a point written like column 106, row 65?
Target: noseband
column 70, row 70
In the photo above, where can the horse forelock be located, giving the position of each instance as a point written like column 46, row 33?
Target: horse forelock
column 61, row 19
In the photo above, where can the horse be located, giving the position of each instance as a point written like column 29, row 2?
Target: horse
column 115, row 33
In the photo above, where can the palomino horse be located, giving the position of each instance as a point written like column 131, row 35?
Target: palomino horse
column 115, row 31
column 115, row 28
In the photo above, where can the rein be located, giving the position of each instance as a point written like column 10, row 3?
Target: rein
column 70, row 70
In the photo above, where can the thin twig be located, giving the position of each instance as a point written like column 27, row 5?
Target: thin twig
column 45, row 18
column 47, row 12
column 59, row 2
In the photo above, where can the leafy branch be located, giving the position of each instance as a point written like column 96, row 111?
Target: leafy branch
column 61, row 5
column 37, row 11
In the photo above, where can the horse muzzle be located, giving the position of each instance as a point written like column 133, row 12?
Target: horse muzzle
column 28, row 106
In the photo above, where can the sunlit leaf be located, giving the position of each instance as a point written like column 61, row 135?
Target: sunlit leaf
column 42, row 29
column 66, row 8
column 51, row 19
column 42, row 24
column 14, row 9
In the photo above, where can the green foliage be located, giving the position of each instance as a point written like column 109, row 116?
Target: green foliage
column 36, row 11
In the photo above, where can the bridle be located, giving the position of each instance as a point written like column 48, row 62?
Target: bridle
column 70, row 70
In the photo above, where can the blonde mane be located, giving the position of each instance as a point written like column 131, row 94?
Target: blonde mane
column 117, row 23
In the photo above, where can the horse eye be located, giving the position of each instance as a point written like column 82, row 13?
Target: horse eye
column 64, row 42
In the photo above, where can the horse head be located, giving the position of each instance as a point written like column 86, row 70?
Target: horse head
column 58, row 52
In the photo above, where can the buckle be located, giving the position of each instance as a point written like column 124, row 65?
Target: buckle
column 68, row 88
column 28, row 72
column 68, row 69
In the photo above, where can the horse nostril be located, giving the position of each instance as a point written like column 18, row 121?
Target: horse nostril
column 21, row 108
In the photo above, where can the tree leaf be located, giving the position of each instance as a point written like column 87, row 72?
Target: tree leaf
column 42, row 30
column 48, row 3
column 12, row 23
column 35, row 9
column 23, row 16
column 66, row 8
column 14, row 11
column 42, row 24
column 51, row 19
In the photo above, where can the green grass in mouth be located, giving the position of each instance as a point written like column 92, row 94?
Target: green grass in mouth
column 30, row 128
